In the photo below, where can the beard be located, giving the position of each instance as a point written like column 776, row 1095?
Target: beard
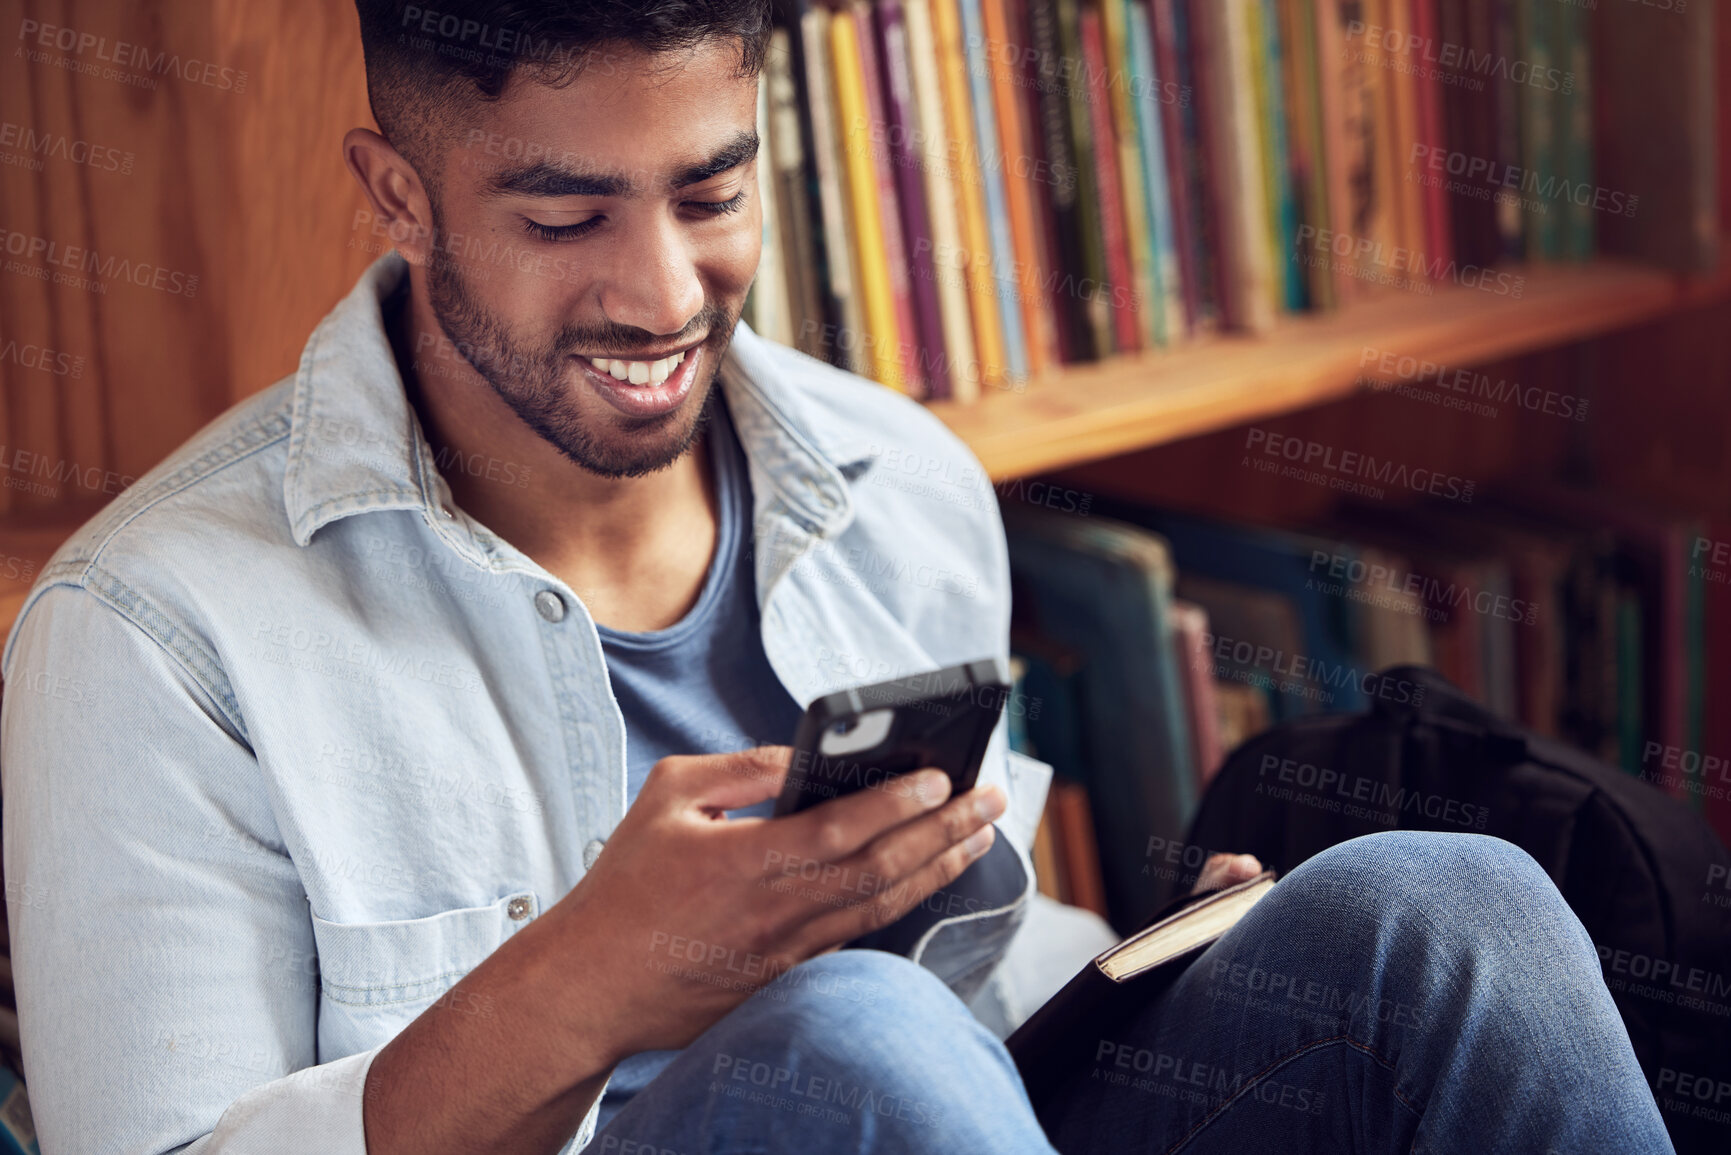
column 532, row 378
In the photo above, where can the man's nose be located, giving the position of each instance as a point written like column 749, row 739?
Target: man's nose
column 653, row 285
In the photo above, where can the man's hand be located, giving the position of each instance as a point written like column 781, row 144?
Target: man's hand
column 1223, row 870
column 686, row 912
column 683, row 915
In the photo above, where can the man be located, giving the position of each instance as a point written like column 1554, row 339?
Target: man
column 406, row 793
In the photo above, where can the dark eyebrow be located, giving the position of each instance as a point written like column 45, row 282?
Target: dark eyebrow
column 548, row 179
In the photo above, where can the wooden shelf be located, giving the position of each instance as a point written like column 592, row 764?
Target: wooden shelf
column 1086, row 412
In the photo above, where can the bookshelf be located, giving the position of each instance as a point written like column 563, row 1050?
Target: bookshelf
column 1082, row 413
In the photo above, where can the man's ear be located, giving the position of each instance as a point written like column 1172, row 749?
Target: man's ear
column 401, row 208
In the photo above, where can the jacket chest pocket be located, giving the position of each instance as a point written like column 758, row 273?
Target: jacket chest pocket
column 376, row 977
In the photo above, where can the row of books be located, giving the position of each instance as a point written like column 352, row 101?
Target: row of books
column 961, row 192
column 1151, row 642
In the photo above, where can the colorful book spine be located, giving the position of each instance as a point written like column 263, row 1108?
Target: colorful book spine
column 1538, row 129
column 844, row 346
column 1150, row 91
column 949, row 258
column 1432, row 137
column 1408, row 195
column 1305, row 159
column 1057, row 149
column 1340, row 87
column 1235, row 165
column 1120, row 71
column 1575, row 130
column 1037, row 178
column 1120, row 287
column 1088, row 267
column 883, row 335
column 1271, row 72
column 1013, row 141
column 1505, row 127
column 895, row 245
column 992, row 175
column 904, row 152
column 800, row 263
column 970, row 187
column 767, row 307
column 1178, row 131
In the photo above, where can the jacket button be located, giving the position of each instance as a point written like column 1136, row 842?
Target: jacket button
column 518, row 908
column 591, row 852
column 550, row 606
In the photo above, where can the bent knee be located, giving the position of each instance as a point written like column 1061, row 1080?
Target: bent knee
column 847, row 984
column 1452, row 878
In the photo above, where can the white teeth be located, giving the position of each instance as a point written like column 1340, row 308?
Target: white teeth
column 640, row 372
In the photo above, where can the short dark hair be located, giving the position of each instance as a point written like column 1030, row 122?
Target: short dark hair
column 429, row 65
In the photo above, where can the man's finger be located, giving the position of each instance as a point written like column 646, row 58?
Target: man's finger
column 717, row 782
column 876, row 911
column 899, row 852
column 840, row 827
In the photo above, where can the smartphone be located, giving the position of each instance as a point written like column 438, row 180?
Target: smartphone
column 860, row 738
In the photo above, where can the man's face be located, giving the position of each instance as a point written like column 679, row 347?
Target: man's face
column 616, row 220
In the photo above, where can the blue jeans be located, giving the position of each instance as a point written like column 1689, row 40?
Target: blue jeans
column 1405, row 991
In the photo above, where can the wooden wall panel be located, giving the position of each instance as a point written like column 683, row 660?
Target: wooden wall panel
column 228, row 170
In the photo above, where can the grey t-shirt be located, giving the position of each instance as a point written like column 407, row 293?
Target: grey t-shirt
column 703, row 685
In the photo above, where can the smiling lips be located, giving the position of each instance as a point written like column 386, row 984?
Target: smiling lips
column 639, row 372
column 644, row 388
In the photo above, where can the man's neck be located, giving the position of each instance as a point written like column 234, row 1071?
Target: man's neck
column 636, row 550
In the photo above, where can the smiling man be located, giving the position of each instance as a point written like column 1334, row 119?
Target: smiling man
column 414, row 793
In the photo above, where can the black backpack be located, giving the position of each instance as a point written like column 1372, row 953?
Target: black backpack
column 1644, row 874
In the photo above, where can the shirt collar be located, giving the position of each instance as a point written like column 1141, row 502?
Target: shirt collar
column 355, row 443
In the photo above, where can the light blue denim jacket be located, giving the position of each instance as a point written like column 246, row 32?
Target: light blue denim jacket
column 290, row 743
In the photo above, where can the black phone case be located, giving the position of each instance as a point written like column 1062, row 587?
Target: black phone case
column 943, row 718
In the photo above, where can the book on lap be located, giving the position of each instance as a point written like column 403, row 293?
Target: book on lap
column 1057, row 1040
